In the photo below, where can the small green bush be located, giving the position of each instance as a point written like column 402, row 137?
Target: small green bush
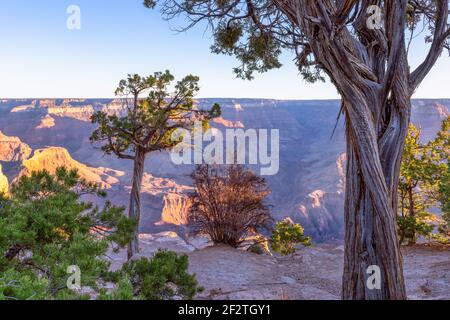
column 22, row 286
column 124, row 291
column 163, row 277
column 286, row 235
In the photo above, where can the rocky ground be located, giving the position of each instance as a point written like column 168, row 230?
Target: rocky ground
column 312, row 273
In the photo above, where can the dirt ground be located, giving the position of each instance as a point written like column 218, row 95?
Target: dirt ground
column 311, row 274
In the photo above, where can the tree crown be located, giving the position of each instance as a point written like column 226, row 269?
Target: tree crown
column 373, row 37
column 45, row 228
column 148, row 123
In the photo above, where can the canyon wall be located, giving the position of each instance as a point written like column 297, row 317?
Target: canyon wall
column 4, row 185
column 309, row 187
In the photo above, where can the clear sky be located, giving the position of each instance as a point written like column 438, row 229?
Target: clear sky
column 41, row 57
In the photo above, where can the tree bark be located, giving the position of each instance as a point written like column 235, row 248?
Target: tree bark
column 374, row 158
column 370, row 70
column 135, row 200
column 377, row 105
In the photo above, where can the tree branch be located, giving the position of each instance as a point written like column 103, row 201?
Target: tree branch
column 441, row 33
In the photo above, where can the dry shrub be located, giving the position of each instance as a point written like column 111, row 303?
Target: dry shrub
column 228, row 203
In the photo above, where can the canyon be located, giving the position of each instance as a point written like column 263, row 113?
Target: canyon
column 309, row 187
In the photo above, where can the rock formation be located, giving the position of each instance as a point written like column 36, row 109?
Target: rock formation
column 167, row 195
column 175, row 208
column 427, row 115
column 12, row 149
column 227, row 123
column 54, row 157
column 46, row 122
column 4, row 185
column 83, row 113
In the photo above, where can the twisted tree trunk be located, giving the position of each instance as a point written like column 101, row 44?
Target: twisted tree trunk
column 371, row 205
column 371, row 74
column 135, row 199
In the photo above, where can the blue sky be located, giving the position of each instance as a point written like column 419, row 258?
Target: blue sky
column 41, row 57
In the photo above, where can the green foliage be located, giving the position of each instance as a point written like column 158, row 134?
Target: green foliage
column 444, row 196
column 257, row 53
column 409, row 227
column 16, row 285
column 124, row 291
column 45, row 228
column 148, row 124
column 254, row 32
column 311, row 74
column 286, row 236
column 442, row 147
column 256, row 248
column 228, row 36
column 423, row 182
column 161, row 278
column 150, row 3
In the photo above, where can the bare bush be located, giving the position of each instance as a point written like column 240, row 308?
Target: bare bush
column 228, row 203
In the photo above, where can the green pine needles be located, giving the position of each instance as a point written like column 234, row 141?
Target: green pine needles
column 286, row 236
column 46, row 227
column 163, row 277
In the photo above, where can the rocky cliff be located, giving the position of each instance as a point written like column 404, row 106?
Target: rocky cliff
column 175, row 208
column 54, row 157
column 426, row 116
column 79, row 109
column 4, row 185
column 12, row 149
column 46, row 122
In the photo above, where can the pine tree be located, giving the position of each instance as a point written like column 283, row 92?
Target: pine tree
column 147, row 126
column 45, row 228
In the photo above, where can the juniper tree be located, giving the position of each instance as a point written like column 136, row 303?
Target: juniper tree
column 444, row 198
column 422, row 180
column 365, row 55
column 147, row 125
column 418, row 179
column 441, row 151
